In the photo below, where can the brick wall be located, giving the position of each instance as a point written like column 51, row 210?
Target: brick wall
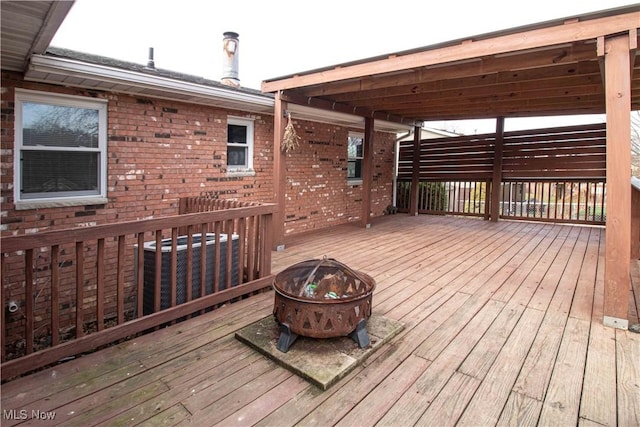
column 317, row 193
column 159, row 151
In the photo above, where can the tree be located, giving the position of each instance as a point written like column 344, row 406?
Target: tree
column 635, row 143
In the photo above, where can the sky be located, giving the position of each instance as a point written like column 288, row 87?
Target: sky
column 282, row 37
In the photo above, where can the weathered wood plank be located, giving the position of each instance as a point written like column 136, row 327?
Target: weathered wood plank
column 627, row 357
column 182, row 385
column 451, row 401
column 598, row 400
column 384, row 396
column 489, row 400
column 265, row 404
column 232, row 400
column 562, row 401
column 520, row 410
column 97, row 410
column 169, row 417
column 582, row 304
column 539, row 364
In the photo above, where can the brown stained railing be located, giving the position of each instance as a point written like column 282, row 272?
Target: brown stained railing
column 82, row 288
column 464, row 198
column 578, row 202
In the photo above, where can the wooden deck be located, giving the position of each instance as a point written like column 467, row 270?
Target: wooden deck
column 503, row 325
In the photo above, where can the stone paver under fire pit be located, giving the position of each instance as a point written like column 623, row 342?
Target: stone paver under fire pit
column 321, row 361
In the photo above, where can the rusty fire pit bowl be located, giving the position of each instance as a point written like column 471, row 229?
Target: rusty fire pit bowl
column 322, row 298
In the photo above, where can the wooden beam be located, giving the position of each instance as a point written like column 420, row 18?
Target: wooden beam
column 618, row 236
column 505, row 44
column 562, row 61
column 279, row 172
column 496, row 181
column 367, row 172
column 323, row 104
column 485, row 85
column 415, row 176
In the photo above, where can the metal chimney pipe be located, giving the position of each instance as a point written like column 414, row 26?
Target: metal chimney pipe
column 230, row 55
column 150, row 62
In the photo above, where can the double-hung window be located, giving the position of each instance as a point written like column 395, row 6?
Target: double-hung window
column 61, row 147
column 239, row 144
column 355, row 156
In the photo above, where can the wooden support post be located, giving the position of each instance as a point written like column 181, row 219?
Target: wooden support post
column 279, row 173
column 496, row 182
column 618, row 234
column 367, row 172
column 415, row 171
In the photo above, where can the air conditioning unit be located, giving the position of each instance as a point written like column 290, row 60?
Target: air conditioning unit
column 150, row 250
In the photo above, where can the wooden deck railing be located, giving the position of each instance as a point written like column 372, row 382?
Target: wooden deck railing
column 466, row 198
column 578, row 202
column 71, row 291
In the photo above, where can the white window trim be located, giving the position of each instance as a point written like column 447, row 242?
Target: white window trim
column 249, row 123
column 24, row 95
column 355, row 181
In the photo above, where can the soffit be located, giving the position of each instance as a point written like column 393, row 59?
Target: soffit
column 27, row 27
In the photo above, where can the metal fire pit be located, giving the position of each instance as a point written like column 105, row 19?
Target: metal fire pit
column 322, row 298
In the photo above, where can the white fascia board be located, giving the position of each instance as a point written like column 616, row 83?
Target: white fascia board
column 79, row 69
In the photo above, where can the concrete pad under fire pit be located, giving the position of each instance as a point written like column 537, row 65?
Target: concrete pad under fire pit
column 321, row 361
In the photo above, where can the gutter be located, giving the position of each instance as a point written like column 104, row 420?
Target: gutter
column 98, row 75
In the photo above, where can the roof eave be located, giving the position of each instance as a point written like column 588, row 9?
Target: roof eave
column 64, row 71
column 99, row 77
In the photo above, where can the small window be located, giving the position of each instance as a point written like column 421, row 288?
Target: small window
column 239, row 144
column 355, row 156
column 60, row 147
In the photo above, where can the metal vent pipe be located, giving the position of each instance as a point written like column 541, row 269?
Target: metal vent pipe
column 230, row 55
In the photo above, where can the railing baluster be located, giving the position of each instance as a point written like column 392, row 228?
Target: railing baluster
column 139, row 268
column 174, row 266
column 120, row 278
column 28, row 301
column 229, row 264
column 79, row 289
column 202, row 280
column 251, row 255
column 189, row 279
column 216, row 264
column 55, row 295
column 100, row 284
column 158, row 273
column 241, row 249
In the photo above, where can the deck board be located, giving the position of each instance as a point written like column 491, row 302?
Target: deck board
column 502, row 325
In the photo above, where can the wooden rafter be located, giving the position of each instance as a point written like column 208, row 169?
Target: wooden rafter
column 549, row 69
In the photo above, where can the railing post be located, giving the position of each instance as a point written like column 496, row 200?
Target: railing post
column 415, row 172
column 279, row 172
column 367, row 173
column 496, row 181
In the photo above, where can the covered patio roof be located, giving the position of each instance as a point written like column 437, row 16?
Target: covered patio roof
column 575, row 65
column 551, row 68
